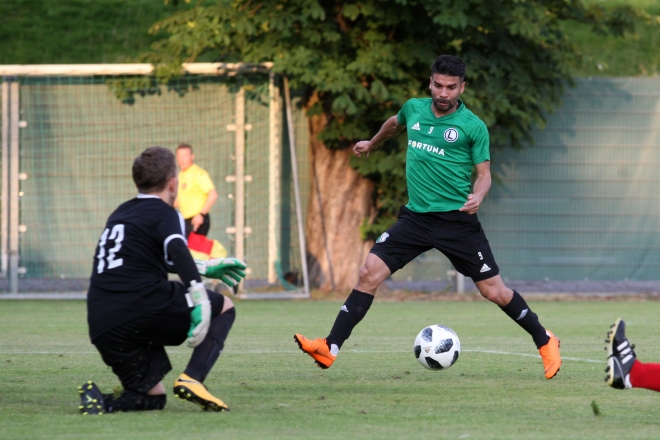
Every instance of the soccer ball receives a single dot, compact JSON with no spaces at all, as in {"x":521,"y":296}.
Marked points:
{"x":437,"y":347}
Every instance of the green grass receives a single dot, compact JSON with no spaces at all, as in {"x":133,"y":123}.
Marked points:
{"x":76,"y":31}
{"x":634,"y":55}
{"x":375,"y":390}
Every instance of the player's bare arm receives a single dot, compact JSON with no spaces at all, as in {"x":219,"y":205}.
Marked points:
{"x":480,"y":188}
{"x":390,"y":128}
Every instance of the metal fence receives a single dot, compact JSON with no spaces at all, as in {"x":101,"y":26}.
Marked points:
{"x":580,"y":204}
{"x":69,"y":141}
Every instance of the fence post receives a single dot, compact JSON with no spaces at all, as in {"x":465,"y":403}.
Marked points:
{"x":239,"y":215}
{"x":13,"y":185}
{"x":274,"y":176}
{"x":4,"y":196}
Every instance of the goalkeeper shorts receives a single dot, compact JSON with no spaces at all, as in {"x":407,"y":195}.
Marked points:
{"x":135,"y":350}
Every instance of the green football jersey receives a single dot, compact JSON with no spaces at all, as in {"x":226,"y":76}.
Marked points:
{"x":441,"y":154}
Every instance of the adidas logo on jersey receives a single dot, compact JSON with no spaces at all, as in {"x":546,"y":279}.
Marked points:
{"x":484,"y":268}
{"x":415,"y":126}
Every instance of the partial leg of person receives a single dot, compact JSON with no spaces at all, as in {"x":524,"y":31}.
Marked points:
{"x":325,"y":350}
{"x":140,"y":366}
{"x":190,"y":384}
{"x":393,"y":250}
{"x":461,"y":238}
{"x":516,"y":308}
{"x":624,"y":370}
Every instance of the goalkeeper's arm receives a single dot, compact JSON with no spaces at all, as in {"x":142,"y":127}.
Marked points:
{"x":178,"y":256}
{"x":181,"y":262}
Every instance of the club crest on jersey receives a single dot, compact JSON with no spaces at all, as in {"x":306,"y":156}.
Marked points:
{"x":382,"y":237}
{"x":451,"y":135}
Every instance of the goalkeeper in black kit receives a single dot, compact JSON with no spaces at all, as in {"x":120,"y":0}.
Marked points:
{"x":133,"y":310}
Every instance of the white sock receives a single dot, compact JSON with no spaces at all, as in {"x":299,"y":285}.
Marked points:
{"x":334,"y":349}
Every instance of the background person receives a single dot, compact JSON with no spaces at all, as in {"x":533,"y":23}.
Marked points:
{"x":445,"y":142}
{"x":197,"y":193}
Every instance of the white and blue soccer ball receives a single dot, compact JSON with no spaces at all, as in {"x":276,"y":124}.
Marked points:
{"x":437,"y":347}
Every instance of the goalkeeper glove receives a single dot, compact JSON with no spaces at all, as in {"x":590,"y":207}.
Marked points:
{"x":200,"y":316}
{"x":228,"y":270}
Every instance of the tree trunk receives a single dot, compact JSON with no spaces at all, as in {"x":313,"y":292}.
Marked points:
{"x":340,"y":200}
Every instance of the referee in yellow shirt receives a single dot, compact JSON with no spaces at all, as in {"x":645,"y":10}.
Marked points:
{"x":197,"y":193}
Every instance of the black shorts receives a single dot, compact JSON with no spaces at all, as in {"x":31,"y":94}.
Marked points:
{"x":456,"y":234}
{"x":203,"y":228}
{"x":135,"y":350}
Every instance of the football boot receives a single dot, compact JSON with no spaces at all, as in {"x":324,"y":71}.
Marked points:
{"x":317,"y":349}
{"x":550,"y":355}
{"x":91,"y":399}
{"x":620,"y":357}
{"x":187,"y":388}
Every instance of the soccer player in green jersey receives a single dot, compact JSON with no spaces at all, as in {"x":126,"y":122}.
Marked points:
{"x":445,"y":142}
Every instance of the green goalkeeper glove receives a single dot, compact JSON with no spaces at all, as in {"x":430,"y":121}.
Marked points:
{"x":228,"y":270}
{"x":200,"y":317}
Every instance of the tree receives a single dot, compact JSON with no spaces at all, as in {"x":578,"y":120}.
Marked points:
{"x":357,"y":62}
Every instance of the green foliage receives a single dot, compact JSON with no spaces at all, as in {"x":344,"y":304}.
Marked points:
{"x":364,"y":59}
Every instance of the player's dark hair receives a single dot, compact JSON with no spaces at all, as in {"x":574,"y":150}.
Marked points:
{"x":153,"y":169}
{"x":449,"y":65}
{"x":182,"y":146}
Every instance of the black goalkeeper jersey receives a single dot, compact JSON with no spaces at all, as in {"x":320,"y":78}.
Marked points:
{"x":129,"y":276}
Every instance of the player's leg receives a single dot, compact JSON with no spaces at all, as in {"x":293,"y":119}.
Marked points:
{"x":516,"y":308}
{"x":189,"y":385}
{"x":393,"y":250}
{"x":139,"y":365}
{"x":372,"y":274}
{"x":355,"y":308}
{"x":462,"y":239}
{"x":624,"y":370}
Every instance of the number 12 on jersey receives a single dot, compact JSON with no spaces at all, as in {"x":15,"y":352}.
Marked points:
{"x":117,"y":235}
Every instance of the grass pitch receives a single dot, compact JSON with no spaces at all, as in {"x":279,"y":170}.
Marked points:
{"x":375,"y":390}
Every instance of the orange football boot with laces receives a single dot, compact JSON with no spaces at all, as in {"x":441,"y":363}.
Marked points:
{"x":317,"y":348}
{"x":550,"y":355}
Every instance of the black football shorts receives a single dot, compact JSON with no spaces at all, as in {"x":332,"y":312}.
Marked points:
{"x":136,"y":350}
{"x":456,"y":234}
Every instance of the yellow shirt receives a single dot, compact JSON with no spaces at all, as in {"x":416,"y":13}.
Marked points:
{"x":194,"y":187}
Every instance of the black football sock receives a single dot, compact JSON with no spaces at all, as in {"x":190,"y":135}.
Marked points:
{"x":519,"y":311}
{"x":205,"y":354}
{"x":351,"y":313}
{"x":130,"y":400}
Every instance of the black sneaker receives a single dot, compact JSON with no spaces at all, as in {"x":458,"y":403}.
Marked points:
{"x":620,"y":357}
{"x":91,"y":399}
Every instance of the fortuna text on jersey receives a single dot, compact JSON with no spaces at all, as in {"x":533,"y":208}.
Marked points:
{"x":427,"y":147}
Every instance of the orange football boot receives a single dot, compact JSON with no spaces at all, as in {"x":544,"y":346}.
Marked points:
{"x":187,"y":388}
{"x":550,"y":355}
{"x":317,"y":348}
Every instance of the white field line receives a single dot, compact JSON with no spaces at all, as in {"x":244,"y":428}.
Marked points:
{"x":251,"y":352}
